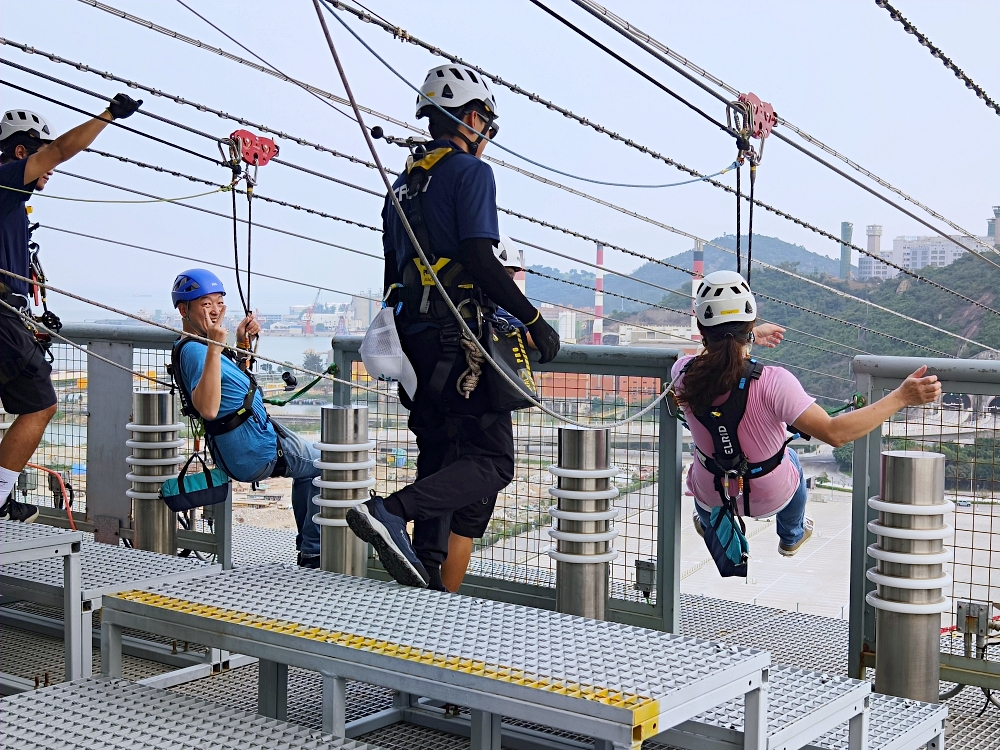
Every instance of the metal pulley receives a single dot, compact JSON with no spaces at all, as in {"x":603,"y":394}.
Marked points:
{"x":750,"y":118}
{"x":255,"y":150}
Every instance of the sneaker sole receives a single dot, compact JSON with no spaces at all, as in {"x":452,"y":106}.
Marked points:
{"x":31,"y":518}
{"x":371,"y":530}
{"x":790,"y":552}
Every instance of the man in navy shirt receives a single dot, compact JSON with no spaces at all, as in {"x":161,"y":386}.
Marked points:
{"x":28,"y":154}
{"x":466,"y":450}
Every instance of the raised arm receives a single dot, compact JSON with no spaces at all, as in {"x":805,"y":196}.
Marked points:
{"x":914,"y":391}
{"x":72,"y":142}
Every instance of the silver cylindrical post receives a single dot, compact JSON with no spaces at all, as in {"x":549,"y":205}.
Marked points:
{"x":154,"y":460}
{"x":908,"y":573}
{"x":344,"y":483}
{"x":581,"y":522}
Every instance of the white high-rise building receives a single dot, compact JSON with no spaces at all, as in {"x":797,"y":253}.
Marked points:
{"x":918,"y":252}
{"x":868,"y":267}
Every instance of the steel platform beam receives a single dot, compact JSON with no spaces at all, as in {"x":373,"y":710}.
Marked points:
{"x":614,"y":682}
{"x":35,"y":546}
{"x":104,"y":569}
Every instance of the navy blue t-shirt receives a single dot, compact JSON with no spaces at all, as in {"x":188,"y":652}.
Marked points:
{"x":14,"y":225}
{"x":460,"y":203}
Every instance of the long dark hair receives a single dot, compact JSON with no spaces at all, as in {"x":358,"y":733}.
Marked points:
{"x":717,"y":369}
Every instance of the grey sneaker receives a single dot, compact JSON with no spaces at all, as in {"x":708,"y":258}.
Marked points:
{"x":12,"y":510}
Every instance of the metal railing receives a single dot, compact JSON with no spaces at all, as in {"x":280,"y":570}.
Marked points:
{"x":86,"y":438}
{"x":965,"y":427}
{"x":601,"y":383}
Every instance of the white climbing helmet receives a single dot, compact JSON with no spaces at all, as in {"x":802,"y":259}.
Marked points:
{"x":25,"y":121}
{"x":724,"y":297}
{"x":509,"y":253}
{"x":454,"y":86}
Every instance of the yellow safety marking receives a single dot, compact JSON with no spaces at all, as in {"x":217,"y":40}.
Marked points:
{"x":645,"y":710}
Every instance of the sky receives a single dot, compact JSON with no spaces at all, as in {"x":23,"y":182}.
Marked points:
{"x":841,"y":70}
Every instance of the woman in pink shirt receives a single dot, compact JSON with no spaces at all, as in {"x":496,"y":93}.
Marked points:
{"x":774,"y":398}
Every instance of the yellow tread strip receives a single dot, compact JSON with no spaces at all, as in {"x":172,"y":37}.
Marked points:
{"x":644,"y":709}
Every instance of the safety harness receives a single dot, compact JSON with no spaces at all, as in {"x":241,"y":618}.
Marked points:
{"x":221,"y":425}
{"x":419,"y":299}
{"x":728,"y":462}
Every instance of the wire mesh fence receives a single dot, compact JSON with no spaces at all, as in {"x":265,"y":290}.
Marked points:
{"x":63,"y":447}
{"x":965,"y":427}
{"x":515,"y":544}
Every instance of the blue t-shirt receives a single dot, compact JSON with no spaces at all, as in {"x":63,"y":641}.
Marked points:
{"x":245,"y":451}
{"x":459,"y":203}
{"x":14,"y":225}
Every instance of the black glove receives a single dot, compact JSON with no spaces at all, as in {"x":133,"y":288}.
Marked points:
{"x":123,"y":106}
{"x":545,"y":338}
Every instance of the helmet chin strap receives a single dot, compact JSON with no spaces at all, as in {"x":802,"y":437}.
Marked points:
{"x":474,"y":145}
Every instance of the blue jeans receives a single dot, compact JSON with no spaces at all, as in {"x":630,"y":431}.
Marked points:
{"x":790,"y":520}
{"x":299,"y":455}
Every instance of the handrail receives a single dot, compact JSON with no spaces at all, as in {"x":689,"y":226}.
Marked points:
{"x":958,"y":370}
{"x":81,"y":333}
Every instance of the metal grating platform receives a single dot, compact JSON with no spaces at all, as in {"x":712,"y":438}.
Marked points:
{"x":893,"y":720}
{"x":27,"y":654}
{"x":539,"y":643}
{"x":796,"y":699}
{"x":104,"y":569}
{"x":97,"y":713}
{"x":15,"y":536}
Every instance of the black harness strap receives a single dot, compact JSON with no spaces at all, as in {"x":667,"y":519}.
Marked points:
{"x":728,"y":460}
{"x":221,"y":425}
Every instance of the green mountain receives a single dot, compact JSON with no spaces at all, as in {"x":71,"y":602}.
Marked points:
{"x":817,"y":349}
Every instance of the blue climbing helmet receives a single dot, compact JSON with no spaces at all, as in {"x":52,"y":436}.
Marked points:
{"x":195,"y":283}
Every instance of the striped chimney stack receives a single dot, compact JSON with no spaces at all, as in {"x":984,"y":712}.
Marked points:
{"x":697,"y":273}
{"x":599,"y":297}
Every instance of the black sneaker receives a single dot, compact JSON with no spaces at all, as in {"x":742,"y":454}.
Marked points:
{"x":308,"y":561}
{"x":387,"y":534}
{"x":12,"y":510}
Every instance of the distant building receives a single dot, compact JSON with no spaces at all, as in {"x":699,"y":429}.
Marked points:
{"x":914,"y":253}
{"x":868,"y":266}
{"x":668,"y":337}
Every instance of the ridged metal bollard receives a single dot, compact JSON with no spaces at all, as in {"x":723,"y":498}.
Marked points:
{"x":344,"y":483}
{"x":581,"y":522}
{"x":154,"y":460}
{"x":908,"y":573}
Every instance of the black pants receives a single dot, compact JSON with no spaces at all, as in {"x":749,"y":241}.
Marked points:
{"x":466,"y":455}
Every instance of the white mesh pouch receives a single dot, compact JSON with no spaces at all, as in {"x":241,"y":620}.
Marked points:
{"x":383,"y":354}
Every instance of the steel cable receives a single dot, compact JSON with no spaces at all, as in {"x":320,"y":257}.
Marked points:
{"x":536,"y":177}
{"x":668,"y":57}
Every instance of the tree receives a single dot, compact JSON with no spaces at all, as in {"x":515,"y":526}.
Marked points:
{"x":844,"y":456}
{"x":312,"y":360}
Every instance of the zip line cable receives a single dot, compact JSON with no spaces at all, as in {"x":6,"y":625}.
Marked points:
{"x":220,"y":189}
{"x":111,"y":122}
{"x":224,"y":216}
{"x":181,"y":332}
{"x":668,"y":57}
{"x":442,"y":109}
{"x":306,"y":284}
{"x":463,"y":326}
{"x":515,"y":168}
{"x":608,"y":204}
{"x":407,"y":37}
{"x":256,"y":195}
{"x":794,"y":145}
{"x":31,"y":321}
{"x":937,"y":54}
{"x":641,"y":281}
{"x":235,"y":58}
{"x":499,"y":145}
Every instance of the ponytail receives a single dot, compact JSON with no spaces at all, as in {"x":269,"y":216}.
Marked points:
{"x":718,"y":369}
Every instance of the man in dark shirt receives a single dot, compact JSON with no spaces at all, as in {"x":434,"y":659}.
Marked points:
{"x":466,"y":449}
{"x":28,"y":154}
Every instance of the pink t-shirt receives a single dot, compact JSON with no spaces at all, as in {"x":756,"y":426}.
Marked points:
{"x":776,"y":399}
